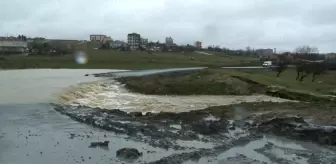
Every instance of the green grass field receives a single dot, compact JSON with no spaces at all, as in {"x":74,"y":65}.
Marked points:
{"x":109,"y":59}
{"x":324,"y":84}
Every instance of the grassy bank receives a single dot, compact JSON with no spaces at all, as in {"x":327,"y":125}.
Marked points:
{"x":323,"y":85}
{"x":234,"y":82}
{"x":321,"y":113}
{"x":201,"y":82}
{"x":110,"y":59}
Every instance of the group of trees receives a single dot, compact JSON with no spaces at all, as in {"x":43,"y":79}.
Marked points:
{"x":22,"y":37}
{"x":162,"y":46}
{"x":309,"y":64}
{"x":248,"y":51}
{"x":301,"y":52}
{"x":307,"y":53}
{"x":39,"y":46}
{"x":305,"y":49}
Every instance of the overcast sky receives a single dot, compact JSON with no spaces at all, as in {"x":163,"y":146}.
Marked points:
{"x":281,"y":24}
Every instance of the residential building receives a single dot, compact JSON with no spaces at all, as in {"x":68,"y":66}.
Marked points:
{"x":13,"y":45}
{"x":198,"y":45}
{"x":97,"y":37}
{"x":118,"y":44}
{"x":133,"y":40}
{"x":107,"y":39}
{"x":330,"y":56}
{"x":143,"y":41}
{"x":265,"y":52}
{"x":169,"y":42}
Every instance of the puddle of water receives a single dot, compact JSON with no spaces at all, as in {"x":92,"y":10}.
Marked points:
{"x":256,"y":157}
{"x":195,"y":144}
{"x":179,"y":127}
{"x":207,"y":160}
{"x":248,"y":151}
{"x":289,"y":157}
{"x":285,"y":143}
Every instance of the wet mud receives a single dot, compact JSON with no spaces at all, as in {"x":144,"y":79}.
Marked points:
{"x":267,"y":132}
{"x":217,"y":136}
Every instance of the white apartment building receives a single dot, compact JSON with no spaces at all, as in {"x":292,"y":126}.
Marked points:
{"x":169,"y":42}
{"x":100,"y":38}
{"x":265,"y":52}
{"x":143,"y":41}
{"x":13,"y":44}
{"x":117,"y":44}
{"x":134,"y":41}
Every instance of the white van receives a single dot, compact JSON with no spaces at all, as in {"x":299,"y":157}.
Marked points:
{"x":267,"y":64}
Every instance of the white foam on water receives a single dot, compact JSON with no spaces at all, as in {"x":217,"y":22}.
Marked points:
{"x":113,"y":95}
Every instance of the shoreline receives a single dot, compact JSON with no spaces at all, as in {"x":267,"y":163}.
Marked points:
{"x":111,"y":94}
{"x":217,"y":129}
{"x":209,"y":126}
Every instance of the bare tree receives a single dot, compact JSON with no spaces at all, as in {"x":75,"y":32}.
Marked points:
{"x":307,"y":67}
{"x":248,"y":49}
{"x":306,"y":49}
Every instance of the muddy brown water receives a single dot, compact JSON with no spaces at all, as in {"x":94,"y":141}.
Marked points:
{"x":32,"y":131}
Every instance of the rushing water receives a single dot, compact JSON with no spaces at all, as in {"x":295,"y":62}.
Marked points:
{"x":32,"y":132}
{"x":110,"y":94}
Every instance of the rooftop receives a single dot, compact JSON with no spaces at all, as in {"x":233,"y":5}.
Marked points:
{"x":97,"y":35}
{"x":134,"y":34}
{"x":11,"y":38}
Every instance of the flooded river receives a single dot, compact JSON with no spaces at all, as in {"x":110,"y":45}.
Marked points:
{"x":33,"y":132}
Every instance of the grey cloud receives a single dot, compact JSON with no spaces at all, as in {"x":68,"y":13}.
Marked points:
{"x":235,"y":24}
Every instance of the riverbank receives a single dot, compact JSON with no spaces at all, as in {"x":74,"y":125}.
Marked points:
{"x":209,"y":134}
{"x":111,"y":59}
{"x":161,"y":95}
{"x":30,"y":126}
{"x":214,"y":132}
{"x":230,"y":82}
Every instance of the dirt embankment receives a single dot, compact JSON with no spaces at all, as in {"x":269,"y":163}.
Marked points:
{"x":212,"y":82}
{"x":201,"y":82}
{"x":213,"y":121}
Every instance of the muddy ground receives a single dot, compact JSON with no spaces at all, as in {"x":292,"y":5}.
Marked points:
{"x":206,"y":135}
{"x":258,"y":133}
